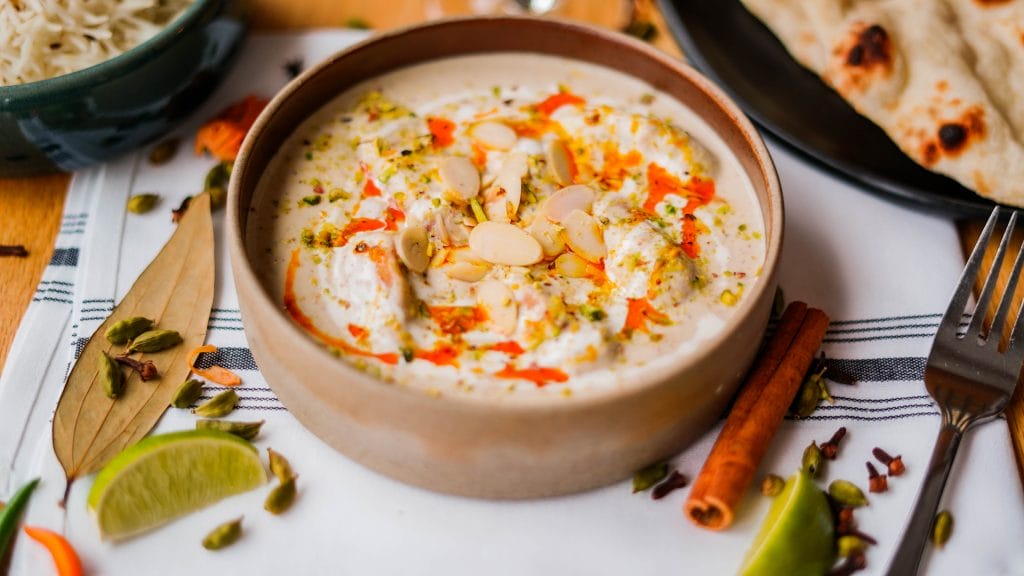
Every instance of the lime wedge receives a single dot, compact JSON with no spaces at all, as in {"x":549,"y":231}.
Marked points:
{"x":797,"y":536}
{"x":168,"y":475}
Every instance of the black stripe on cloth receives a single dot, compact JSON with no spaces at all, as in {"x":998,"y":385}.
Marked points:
{"x":871,"y":329}
{"x":43,"y":289}
{"x":51,"y":299}
{"x":79,"y":346}
{"x":58,"y":282}
{"x":232,"y":358}
{"x":878,"y":369}
{"x":64,"y":257}
{"x":880,"y":400}
{"x":820,"y":417}
{"x":897,"y":408}
{"x":97,"y":300}
{"x":886,"y":319}
{"x":874,"y":338}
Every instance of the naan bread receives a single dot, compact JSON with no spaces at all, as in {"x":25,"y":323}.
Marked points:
{"x":944,"y":78}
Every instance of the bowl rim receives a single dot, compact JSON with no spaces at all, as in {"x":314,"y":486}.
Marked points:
{"x":305,"y":346}
{"x":20,"y":96}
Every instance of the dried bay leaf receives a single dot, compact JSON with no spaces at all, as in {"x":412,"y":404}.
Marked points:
{"x":176,"y":290}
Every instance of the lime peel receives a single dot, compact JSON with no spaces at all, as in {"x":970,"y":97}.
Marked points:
{"x":797,"y":536}
{"x":166,"y":476}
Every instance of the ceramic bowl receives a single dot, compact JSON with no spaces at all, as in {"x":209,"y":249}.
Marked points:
{"x":98,"y":113}
{"x":513,"y":449}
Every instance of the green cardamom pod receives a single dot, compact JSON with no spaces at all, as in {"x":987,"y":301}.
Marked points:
{"x":224,"y":535}
{"x":649,"y":476}
{"x":823,"y":392}
{"x":847,"y":494}
{"x":220,"y":405}
{"x":218,"y":176}
{"x":281,"y":497}
{"x":142,"y":203}
{"x":187,"y":393}
{"x":244,"y":430}
{"x":279,"y":465}
{"x":163,"y":152}
{"x":218,"y":197}
{"x":850,"y":544}
{"x":111,"y":377}
{"x":811,"y":462}
{"x":807,"y":399}
{"x":124,"y":330}
{"x":943,"y":528}
{"x":772,"y":485}
{"x":155,"y":341}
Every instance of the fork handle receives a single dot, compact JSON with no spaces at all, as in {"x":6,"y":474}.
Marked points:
{"x":911,"y":548}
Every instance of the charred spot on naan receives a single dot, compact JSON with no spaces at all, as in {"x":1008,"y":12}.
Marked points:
{"x":953,"y":136}
{"x":863,"y":58}
{"x":871,"y":48}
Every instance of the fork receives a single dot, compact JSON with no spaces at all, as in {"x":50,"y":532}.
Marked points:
{"x":968,"y":377}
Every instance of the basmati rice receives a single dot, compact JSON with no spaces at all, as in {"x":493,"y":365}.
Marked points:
{"x":41,"y":39}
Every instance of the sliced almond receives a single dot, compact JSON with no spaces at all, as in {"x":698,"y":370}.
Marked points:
{"x":494,"y":135}
{"x":584,"y":235}
{"x":510,"y":178}
{"x":466,"y":254}
{"x":440,"y":229}
{"x":549,"y":235}
{"x":500,"y":243}
{"x":561,"y":163}
{"x":498,"y":209}
{"x":571,"y":265}
{"x":466,"y":271}
{"x":411,"y":245}
{"x":461,"y":177}
{"x":562,"y":202}
{"x":498,"y":300}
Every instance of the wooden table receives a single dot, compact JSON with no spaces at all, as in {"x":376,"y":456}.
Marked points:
{"x":30,"y":209}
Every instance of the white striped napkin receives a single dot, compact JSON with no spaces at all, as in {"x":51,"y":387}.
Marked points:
{"x":884,"y":274}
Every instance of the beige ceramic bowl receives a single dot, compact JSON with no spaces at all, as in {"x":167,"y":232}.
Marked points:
{"x":519,"y":448}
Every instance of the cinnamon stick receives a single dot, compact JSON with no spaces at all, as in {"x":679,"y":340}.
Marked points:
{"x":755,"y":417}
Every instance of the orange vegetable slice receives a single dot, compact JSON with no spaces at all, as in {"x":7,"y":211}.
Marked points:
{"x":215,"y":374}
{"x":64,"y":555}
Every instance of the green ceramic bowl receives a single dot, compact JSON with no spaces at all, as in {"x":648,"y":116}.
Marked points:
{"x":96,"y":114}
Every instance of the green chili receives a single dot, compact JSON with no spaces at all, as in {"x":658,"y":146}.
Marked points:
{"x":10,"y":515}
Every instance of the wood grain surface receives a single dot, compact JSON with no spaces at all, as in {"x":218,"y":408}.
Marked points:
{"x":30,"y":209}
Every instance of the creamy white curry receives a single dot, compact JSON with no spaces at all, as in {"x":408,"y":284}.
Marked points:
{"x":508,"y":224}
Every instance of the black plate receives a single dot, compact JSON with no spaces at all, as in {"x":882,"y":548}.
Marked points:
{"x":733,"y":48}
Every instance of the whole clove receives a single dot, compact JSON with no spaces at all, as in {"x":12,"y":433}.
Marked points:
{"x":16,"y":250}
{"x":178,"y":212}
{"x":893,"y":463}
{"x":145,"y":369}
{"x":877,"y":483}
{"x":674,"y":482}
{"x":831,"y":448}
{"x":845,"y":523}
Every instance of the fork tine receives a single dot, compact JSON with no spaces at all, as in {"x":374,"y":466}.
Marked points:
{"x":951,"y":319}
{"x":990,"y":283}
{"x":999,"y":321}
